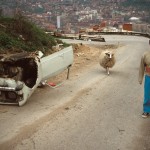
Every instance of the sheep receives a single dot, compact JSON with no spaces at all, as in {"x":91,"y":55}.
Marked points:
{"x":107,"y":60}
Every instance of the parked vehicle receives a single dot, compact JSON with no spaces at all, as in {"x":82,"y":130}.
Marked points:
{"x":88,"y":37}
{"x":21,"y":74}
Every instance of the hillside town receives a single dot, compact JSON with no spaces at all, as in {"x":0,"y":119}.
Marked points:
{"x":72,"y":16}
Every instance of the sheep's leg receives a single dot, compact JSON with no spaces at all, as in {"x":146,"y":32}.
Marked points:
{"x":107,"y":69}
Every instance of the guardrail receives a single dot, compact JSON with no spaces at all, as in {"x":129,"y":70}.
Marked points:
{"x":122,"y":33}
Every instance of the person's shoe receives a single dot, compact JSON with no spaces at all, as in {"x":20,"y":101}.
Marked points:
{"x":145,"y":115}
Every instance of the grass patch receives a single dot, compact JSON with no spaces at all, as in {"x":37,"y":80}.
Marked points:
{"x":18,"y":34}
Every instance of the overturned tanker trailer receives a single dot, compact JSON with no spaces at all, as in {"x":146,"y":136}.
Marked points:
{"x":22,"y":73}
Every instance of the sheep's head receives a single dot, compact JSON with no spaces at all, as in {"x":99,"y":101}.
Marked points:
{"x":109,"y":54}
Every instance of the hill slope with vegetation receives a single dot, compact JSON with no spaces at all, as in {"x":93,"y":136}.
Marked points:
{"x":18,"y":34}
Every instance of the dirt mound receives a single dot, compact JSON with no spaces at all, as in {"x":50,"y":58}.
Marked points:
{"x":80,"y":48}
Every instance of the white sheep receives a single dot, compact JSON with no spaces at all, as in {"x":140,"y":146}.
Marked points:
{"x":107,"y":60}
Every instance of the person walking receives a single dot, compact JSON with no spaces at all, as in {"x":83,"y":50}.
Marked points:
{"x":144,"y":70}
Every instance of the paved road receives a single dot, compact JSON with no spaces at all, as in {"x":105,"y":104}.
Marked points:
{"x":91,"y":112}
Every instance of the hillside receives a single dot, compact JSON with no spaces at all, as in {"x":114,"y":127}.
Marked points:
{"x":18,"y":34}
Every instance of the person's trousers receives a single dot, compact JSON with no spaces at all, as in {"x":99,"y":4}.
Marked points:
{"x":146,"y":103}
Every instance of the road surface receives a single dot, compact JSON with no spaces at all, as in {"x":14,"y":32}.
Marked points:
{"x":91,"y":111}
